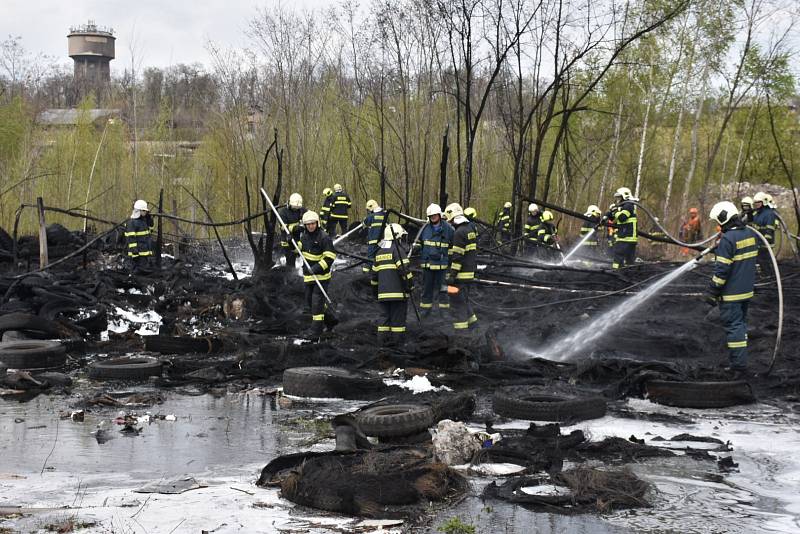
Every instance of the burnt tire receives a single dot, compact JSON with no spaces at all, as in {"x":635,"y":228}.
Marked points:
{"x":126,"y":368}
{"x":30,"y":324}
{"x":395,"y":420}
{"x":327,"y":382}
{"x":700,"y":394}
{"x":33,"y":354}
{"x":182,"y":345}
{"x":532,"y":406}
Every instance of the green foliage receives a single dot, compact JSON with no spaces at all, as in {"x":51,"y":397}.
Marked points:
{"x":455,"y":525}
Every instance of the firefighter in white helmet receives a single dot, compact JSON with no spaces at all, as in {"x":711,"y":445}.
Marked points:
{"x":317,"y":249}
{"x":436,"y":238}
{"x":504,"y":223}
{"x":589,"y":226}
{"x":339,"y":210}
{"x":291,"y":214}
{"x":532,"y":226}
{"x":765,"y":220}
{"x":463,"y":264}
{"x":391,"y":274}
{"x":374,"y":223}
{"x":138,"y":238}
{"x":623,"y":217}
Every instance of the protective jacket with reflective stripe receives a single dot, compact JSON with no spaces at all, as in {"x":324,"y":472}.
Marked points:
{"x":735,"y":269}
{"x":765,"y":220}
{"x":137,"y":238}
{"x":340,"y":204}
{"x":292,"y":218}
{"x":325,"y":210}
{"x":317,"y":249}
{"x":625,"y":222}
{"x":504,"y":221}
{"x":391,"y":272}
{"x":436,"y":240}
{"x":374,"y":225}
{"x":547,"y":233}
{"x":532,"y":226}
{"x":464,"y":252}
{"x":588,"y":227}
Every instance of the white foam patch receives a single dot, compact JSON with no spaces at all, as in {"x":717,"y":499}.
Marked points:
{"x":143,"y":323}
{"x":417,"y":384}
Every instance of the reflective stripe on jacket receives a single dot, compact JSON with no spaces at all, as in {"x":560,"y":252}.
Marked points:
{"x":137,"y":238}
{"x":391,"y":272}
{"x":765,"y":220}
{"x":464,"y":253}
{"x":292,"y":218}
{"x":532,"y":226}
{"x":317,"y":249}
{"x":436,"y":241}
{"x":589,"y":227}
{"x":735,"y":268}
{"x":547,"y":233}
{"x":504,"y":221}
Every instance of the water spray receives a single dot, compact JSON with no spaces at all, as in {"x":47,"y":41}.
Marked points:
{"x":583,"y":240}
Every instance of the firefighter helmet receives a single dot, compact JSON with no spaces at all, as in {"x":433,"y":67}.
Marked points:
{"x":371,"y":204}
{"x":746,"y":201}
{"x":507,"y":205}
{"x":327,"y":192}
{"x":453,"y":210}
{"x":723,"y":212}
{"x":592,"y":211}
{"x":393,"y":231}
{"x":140,"y":205}
{"x":470,"y":212}
{"x":547,"y":216}
{"x":433,"y":209}
{"x":761,"y":197}
{"x":533,"y":209}
{"x":310,"y":217}
{"x":624,"y":193}
{"x":295,"y":201}
{"x":337,"y":188}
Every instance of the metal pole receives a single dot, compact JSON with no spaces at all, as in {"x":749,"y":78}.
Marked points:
{"x":341,"y":237}
{"x":403,"y":274}
{"x":296,"y":246}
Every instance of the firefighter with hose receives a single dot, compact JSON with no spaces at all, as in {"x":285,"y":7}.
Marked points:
{"x":436,"y":238}
{"x":765,"y":220}
{"x":732,"y":285}
{"x":623,"y":217}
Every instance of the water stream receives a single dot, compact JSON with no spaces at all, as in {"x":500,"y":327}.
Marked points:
{"x":583,"y":338}
{"x":583,"y":240}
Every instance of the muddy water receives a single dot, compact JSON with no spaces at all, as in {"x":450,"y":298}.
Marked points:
{"x":223,"y":442}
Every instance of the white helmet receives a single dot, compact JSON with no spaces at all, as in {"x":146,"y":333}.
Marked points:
{"x":769,"y":201}
{"x":310,"y":217}
{"x":507,"y":205}
{"x":337,"y":188}
{"x":761,"y":197}
{"x":393,"y":231}
{"x":295,"y":201}
{"x":723,"y":212}
{"x":592,"y":210}
{"x":533,"y":209}
{"x":140,"y":205}
{"x":371,"y":204}
{"x":453,"y":210}
{"x":623,"y":192}
{"x":746,"y":201}
{"x":433,"y":209}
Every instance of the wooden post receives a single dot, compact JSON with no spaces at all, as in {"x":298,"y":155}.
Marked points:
{"x":43,"y":259}
{"x":443,"y":169}
{"x":176,"y":228}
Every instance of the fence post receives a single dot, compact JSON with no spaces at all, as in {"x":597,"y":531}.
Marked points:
{"x":43,"y":259}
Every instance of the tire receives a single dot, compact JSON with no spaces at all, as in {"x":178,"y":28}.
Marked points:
{"x":327,"y":382}
{"x":395,"y":420}
{"x":182,"y":345}
{"x":416,"y":439}
{"x":25,"y":322}
{"x":126,"y":368}
{"x":532,"y":406}
{"x":700,"y":394}
{"x":33,"y":354}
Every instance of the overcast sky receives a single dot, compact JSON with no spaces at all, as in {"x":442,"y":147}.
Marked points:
{"x":167,"y":31}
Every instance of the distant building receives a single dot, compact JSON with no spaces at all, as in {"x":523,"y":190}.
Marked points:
{"x":91,"y":48}
{"x":71,"y":117}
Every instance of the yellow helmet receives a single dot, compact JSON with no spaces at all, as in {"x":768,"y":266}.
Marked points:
{"x":310,"y":217}
{"x":470,"y":213}
{"x":547,"y":215}
{"x":327,"y":192}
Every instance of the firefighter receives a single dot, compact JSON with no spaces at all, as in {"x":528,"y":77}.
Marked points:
{"x":291,"y":215}
{"x":734,"y":277}
{"x":392,"y":274}
{"x":504,"y":223}
{"x":325,"y":211}
{"x":471,"y":214}
{"x":691,"y":231}
{"x":374,"y":223}
{"x":765,"y":220}
{"x":589,"y":226}
{"x":463,"y":263}
{"x":548,"y":235}
{"x":436,"y":238}
{"x":611,"y":232}
{"x":532,"y":226}
{"x":747,"y":210}
{"x":623,"y":216}
{"x":138,"y":240}
{"x":339,"y":206}
{"x":317,"y":249}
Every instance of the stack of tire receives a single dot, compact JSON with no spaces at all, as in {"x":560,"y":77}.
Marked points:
{"x":532,"y":404}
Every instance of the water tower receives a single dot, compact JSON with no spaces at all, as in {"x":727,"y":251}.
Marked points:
{"x":91,"y":47}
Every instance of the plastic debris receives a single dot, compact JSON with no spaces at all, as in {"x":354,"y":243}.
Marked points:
{"x":453,"y":443}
